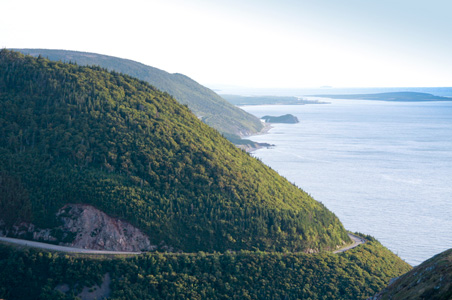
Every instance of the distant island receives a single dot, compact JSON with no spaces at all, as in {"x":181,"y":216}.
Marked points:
{"x":392,"y":96}
{"x":290,"y":119}
{"x":267,"y":100}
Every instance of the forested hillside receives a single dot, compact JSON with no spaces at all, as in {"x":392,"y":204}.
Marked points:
{"x":431,"y":280}
{"x":356,"y":274}
{"x":206,"y":104}
{"x":76,"y":134}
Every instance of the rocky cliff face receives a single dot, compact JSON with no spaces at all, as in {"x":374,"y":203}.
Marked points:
{"x":93,"y":229}
{"x":84,"y":226}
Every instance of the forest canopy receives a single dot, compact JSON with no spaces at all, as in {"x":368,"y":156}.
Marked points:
{"x":211,"y":108}
{"x":77,"y":134}
{"x":356,"y":274}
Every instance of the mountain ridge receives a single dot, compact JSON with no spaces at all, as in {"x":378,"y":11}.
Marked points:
{"x":205,"y":103}
{"x":86,"y":136}
{"x":77,"y":134}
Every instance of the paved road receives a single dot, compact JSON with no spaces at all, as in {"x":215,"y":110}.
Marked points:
{"x":356,"y":242}
{"x":60,"y":248}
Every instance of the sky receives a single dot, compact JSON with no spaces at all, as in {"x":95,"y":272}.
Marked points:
{"x":251,"y":43}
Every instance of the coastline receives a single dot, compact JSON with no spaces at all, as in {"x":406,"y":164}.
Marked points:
{"x":267,"y":127}
{"x":256,"y":146}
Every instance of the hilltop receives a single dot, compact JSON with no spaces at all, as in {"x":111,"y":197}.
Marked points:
{"x":73,"y":134}
{"x":73,"y":137}
{"x":203,"y":102}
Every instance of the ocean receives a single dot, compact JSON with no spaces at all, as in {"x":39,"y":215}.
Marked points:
{"x":384,"y":168}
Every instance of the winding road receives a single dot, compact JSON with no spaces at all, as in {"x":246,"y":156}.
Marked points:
{"x":356,"y":242}
{"x":61,"y":248}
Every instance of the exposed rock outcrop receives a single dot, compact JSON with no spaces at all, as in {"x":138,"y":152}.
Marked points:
{"x":84,"y":226}
{"x":94,"y":229}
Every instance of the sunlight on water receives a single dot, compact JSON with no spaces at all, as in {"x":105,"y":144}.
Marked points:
{"x":383,"y":168}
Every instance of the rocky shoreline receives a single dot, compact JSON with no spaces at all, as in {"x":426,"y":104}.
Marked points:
{"x":255,"y":145}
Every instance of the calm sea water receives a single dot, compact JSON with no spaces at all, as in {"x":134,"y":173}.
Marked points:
{"x":383,"y":168}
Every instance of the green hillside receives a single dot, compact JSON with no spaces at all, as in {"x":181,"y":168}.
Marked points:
{"x":356,"y":274}
{"x":431,"y":280}
{"x":206,"y":104}
{"x":76,"y":134}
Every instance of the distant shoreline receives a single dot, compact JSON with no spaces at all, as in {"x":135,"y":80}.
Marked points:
{"x":263,"y":131}
{"x":391,"y":97}
{"x":266,"y":129}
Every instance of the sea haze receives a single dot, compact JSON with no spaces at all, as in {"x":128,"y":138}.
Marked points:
{"x":383,"y":168}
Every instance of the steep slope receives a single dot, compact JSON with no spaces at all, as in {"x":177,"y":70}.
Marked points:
{"x":73,"y":134}
{"x":231,"y":275}
{"x":431,"y":280}
{"x":206,"y":104}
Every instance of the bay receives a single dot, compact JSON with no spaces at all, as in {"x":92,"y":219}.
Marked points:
{"x":384,"y":168}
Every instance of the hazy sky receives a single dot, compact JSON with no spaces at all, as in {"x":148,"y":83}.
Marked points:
{"x":252,"y":43}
